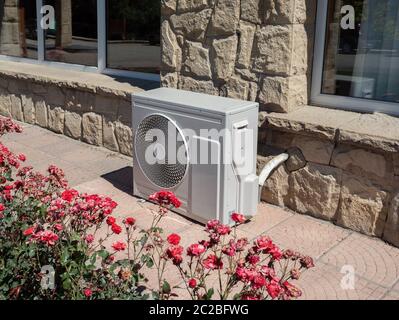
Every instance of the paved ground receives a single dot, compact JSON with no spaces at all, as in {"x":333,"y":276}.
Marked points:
{"x":335,"y":250}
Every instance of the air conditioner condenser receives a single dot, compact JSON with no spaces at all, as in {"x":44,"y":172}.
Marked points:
{"x":201,"y":147}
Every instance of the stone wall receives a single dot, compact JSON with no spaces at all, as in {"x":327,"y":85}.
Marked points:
{"x":92,"y":114}
{"x":343,"y":175}
{"x":257,"y":50}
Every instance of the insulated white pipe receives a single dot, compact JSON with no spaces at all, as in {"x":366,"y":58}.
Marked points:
{"x":268,"y":169}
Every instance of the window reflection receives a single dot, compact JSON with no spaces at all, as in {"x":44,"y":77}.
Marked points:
{"x":18,"y":36}
{"x":73,"y":37}
{"x":363,"y":62}
{"x":133,"y":35}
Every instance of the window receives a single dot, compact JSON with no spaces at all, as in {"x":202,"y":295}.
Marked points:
{"x":73,"y":36}
{"x":133,"y":35}
{"x":357,"y":55}
{"x":118,"y":37}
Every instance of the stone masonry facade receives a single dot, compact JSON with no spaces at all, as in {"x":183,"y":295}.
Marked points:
{"x":92,"y":114}
{"x":257,"y":50}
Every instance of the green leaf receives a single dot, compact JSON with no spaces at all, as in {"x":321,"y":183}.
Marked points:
{"x":67,"y":284}
{"x":166,"y":287}
{"x":210,"y":293}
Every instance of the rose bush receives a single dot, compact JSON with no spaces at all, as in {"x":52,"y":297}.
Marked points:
{"x":57,"y":243}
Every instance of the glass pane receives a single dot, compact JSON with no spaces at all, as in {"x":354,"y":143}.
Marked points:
{"x":362,"y":59}
{"x":133,"y":35}
{"x":73,"y":37}
{"x":18,"y":35}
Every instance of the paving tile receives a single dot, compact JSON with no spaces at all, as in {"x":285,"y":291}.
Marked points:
{"x":324,"y":283}
{"x":98,"y":186}
{"x":307,"y":235}
{"x":371,"y":258}
{"x":267,"y":217}
{"x":392,"y":295}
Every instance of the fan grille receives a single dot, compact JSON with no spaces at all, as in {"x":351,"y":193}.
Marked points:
{"x":168,"y":171}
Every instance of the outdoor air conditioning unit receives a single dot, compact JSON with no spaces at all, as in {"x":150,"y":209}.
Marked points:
{"x":201,"y":147}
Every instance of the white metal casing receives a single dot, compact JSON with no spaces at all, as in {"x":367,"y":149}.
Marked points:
{"x":208,"y":191}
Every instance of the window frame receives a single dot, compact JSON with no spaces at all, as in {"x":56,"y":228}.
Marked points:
{"x":334,"y":101}
{"x":101,"y":51}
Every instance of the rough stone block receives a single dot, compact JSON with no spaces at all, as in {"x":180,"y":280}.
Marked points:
{"x":251,"y":11}
{"x":315,"y":190}
{"x":109,"y":138}
{"x":168,"y":7}
{"x":5,"y":105}
{"x":272,"y":51}
{"x":16,"y":108}
{"x":314,"y":149}
{"x":28,"y":108}
{"x":280,"y":94}
{"x":197,"y":60}
{"x":247,"y":34}
{"x":301,"y":49}
{"x":189,"y":84}
{"x":305,"y":11}
{"x":360,"y":161}
{"x":237,"y":88}
{"x":124,"y":137}
{"x":105,"y":105}
{"x":171,"y":54}
{"x":192,"y":25}
{"x":41,"y":113}
{"x":279,"y":11}
{"x":92,"y":129}
{"x":276,"y":188}
{"x":191,"y":5}
{"x":73,"y":125}
{"x":169,"y":80}
{"x":225,"y":18}
{"x":223,"y":57}
{"x":362,"y":206}
{"x":56,"y":117}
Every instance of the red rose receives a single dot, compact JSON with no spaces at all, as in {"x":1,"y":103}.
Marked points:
{"x":212,"y":262}
{"x":110,"y":221}
{"x":276,"y":253}
{"x":258,"y":282}
{"x":130,"y":221}
{"x":174,"y":239}
{"x":29,"y":231}
{"x":223,"y":230}
{"x":58,"y":227}
{"x":2,"y":207}
{"x":195,"y":250}
{"x":22,"y":157}
{"x":212,"y":224}
{"x":238,"y":218}
{"x":273,"y":289}
{"x":119,"y":246}
{"x":87,"y":292}
{"x":263,"y":243}
{"x":89,"y":238}
{"x":291,"y":290}
{"x":175,"y":253}
{"x":116,"y":228}
{"x":69,"y":195}
{"x":192,"y":283}
{"x":307,"y":262}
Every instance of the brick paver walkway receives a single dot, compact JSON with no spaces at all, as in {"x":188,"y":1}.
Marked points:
{"x":335,"y":250}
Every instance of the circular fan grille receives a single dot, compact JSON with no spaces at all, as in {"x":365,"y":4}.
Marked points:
{"x":153,"y":154}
